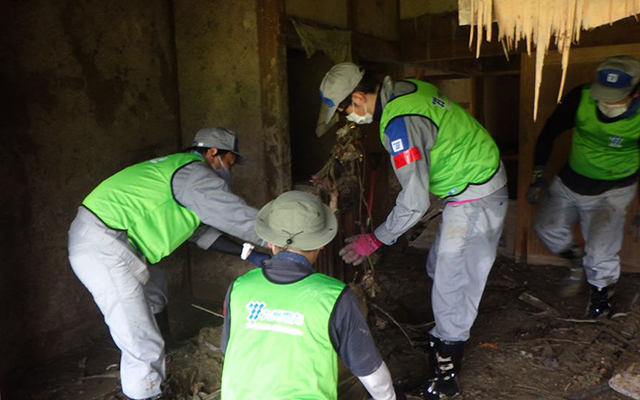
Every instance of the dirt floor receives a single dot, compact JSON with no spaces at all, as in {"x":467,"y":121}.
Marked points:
{"x":517,"y":351}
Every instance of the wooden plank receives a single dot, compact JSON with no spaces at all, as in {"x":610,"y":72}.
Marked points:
{"x":526,"y":143}
{"x":273,"y":95}
{"x":365,"y":47}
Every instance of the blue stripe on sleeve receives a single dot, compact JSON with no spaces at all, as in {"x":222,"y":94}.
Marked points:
{"x":396,"y":132}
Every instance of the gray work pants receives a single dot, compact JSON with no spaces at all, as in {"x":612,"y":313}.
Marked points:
{"x":103,"y":261}
{"x":460,"y":260}
{"x":601,"y":220}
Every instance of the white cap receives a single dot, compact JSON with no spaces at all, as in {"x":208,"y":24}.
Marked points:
{"x":337,"y":84}
{"x":615,"y":79}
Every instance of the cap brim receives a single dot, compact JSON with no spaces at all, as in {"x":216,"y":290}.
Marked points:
{"x":240,"y":159}
{"x":300,"y":242}
{"x":607,"y":94}
{"x":326,"y":113}
{"x":323,"y":125}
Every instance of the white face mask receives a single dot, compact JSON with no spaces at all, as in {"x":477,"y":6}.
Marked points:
{"x":223,"y":172}
{"x":360,"y":119}
{"x":612,"y":110}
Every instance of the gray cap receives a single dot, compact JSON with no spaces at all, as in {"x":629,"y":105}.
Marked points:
{"x":296,"y":220}
{"x":615,"y":78}
{"x":221,"y":139}
{"x":337,"y":84}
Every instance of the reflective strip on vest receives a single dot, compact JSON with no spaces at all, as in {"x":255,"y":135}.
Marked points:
{"x":139,"y":200}
{"x":464,"y":153}
{"x":604,"y":151}
{"x":279,"y":345}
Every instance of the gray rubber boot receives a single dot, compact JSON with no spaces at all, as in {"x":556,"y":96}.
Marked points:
{"x":576,"y":282}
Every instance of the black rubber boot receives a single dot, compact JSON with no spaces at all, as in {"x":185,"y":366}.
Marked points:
{"x":448,"y":363}
{"x":433,"y":359}
{"x":599,"y":305}
{"x":162,"y":319}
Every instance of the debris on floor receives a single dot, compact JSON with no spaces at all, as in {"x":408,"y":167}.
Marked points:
{"x":527,"y":343}
{"x":194,"y":371}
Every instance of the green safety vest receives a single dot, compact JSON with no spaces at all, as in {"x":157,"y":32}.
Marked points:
{"x":279,"y":345}
{"x":139,"y":200}
{"x":464,"y":152}
{"x":604,"y":151}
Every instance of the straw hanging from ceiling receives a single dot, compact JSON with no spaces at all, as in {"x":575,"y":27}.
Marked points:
{"x":537,"y":21}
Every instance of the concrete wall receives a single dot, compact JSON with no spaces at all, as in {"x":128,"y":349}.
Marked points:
{"x":377,"y":18}
{"x":87,"y":89}
{"x":328,"y":12}
{"x":218,"y":69}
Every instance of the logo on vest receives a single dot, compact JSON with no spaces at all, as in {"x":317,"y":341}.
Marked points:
{"x":616,"y":141}
{"x":157,"y":160}
{"x":263,"y":319}
{"x":438,"y":102}
{"x":613,"y":78}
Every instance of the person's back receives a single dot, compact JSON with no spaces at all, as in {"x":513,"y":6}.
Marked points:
{"x":286,"y":325}
{"x":140,"y":200}
{"x":292,"y":319}
{"x":461,"y":153}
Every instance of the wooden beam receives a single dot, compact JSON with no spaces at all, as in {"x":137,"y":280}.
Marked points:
{"x":273,"y":96}
{"x":438,"y":37}
{"x":365,"y":47}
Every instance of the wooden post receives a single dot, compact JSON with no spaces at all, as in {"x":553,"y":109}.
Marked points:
{"x":273,"y":94}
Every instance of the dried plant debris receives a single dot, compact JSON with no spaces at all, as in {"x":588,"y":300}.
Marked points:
{"x":537,"y":21}
{"x":195,"y":370}
{"x":340,"y":179}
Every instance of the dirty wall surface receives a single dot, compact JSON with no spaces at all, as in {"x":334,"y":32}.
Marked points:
{"x":218,"y":69}
{"x":87,"y":89}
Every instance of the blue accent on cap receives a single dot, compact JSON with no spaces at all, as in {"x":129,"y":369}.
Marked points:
{"x":615,"y":79}
{"x":327,"y":100}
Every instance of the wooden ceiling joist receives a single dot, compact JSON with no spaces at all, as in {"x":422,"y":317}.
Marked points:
{"x":365,"y":47}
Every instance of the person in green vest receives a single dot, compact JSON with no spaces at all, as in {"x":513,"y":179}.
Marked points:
{"x":598,"y":183}
{"x":141,"y":215}
{"x":436,"y":147}
{"x":285,"y":325}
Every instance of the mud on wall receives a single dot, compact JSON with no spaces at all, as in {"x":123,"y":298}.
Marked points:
{"x":219,"y":84}
{"x":87,"y":89}
{"x":220,"y":81}
{"x":377,"y":18}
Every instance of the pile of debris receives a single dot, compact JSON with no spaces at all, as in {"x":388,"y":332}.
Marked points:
{"x":194,"y":371}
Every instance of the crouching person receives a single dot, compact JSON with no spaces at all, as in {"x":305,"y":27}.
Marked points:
{"x":286,"y":325}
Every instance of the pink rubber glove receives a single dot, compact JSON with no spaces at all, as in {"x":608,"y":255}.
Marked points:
{"x":359,"y":248}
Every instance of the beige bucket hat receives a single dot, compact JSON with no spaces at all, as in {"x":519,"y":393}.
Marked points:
{"x":296,"y":220}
